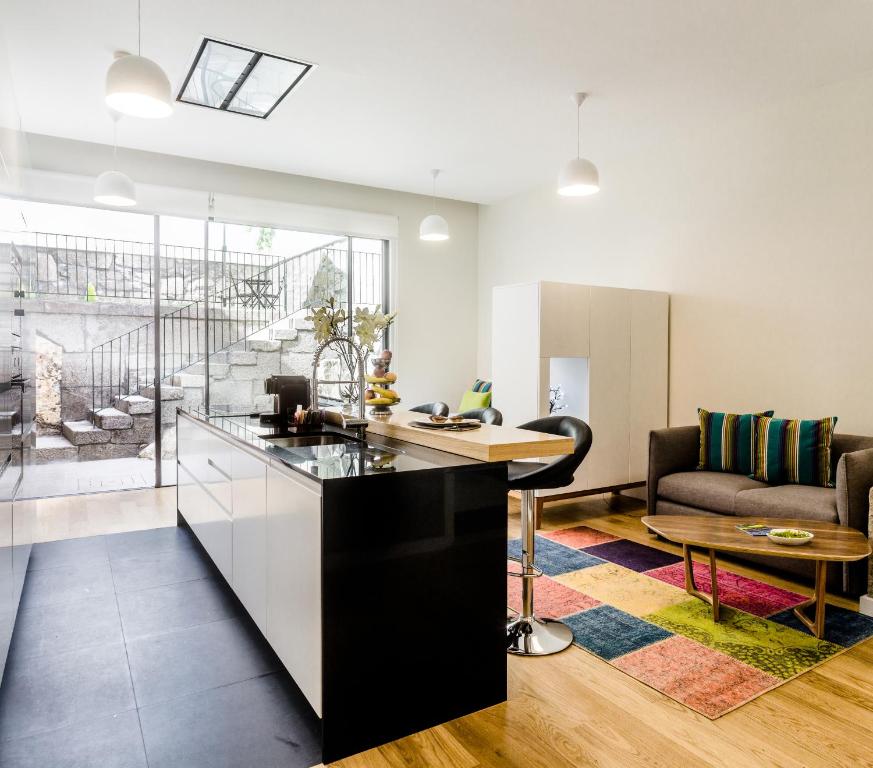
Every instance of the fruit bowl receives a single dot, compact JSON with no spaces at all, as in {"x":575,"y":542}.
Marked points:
{"x":790,"y":537}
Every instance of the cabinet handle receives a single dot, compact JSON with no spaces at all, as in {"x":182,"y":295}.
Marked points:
{"x":218,"y":469}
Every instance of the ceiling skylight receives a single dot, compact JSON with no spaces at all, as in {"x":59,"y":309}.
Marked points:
{"x":236,"y":79}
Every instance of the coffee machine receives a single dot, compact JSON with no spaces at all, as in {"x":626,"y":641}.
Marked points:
{"x":289,"y":393}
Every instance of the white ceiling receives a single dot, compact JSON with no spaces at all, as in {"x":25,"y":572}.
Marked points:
{"x":480,"y":89}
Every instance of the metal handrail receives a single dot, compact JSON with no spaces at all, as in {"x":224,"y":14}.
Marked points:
{"x":123,"y":364}
{"x":81,"y":265}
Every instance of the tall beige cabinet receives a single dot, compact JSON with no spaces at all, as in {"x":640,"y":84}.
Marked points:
{"x":607,"y":350}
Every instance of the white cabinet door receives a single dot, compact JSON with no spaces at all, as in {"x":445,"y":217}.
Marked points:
{"x":294,"y":579}
{"x":193,"y":447}
{"x":217,"y":477}
{"x":650,"y":329}
{"x":190,"y":499}
{"x":210,"y":523}
{"x":515,"y":351}
{"x":249,"y":489}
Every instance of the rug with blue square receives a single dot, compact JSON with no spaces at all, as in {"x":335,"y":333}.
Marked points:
{"x":626,"y":603}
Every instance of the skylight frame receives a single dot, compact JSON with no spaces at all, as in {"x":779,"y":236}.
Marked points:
{"x":308,"y":67}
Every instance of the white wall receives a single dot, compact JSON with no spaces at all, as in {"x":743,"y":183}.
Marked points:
{"x":762,"y":232}
{"x":434,"y":283}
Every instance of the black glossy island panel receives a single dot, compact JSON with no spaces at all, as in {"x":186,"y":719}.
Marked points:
{"x":400,"y":564}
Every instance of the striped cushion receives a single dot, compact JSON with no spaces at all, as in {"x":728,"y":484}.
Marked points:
{"x":794,"y":450}
{"x":727,"y":441}
{"x":481,"y":385}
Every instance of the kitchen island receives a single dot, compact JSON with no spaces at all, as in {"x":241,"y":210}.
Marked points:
{"x":375,"y":570}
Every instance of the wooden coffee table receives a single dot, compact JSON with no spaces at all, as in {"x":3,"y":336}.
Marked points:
{"x":832,"y":544}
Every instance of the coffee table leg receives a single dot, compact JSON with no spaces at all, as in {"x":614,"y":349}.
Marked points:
{"x":816,"y":625}
{"x":691,"y":587}
{"x":713,"y":580}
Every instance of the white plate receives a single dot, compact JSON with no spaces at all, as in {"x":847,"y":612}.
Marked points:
{"x":790,"y":542}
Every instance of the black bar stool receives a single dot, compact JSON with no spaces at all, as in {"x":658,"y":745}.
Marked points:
{"x":527,"y":635}
{"x":485,"y":415}
{"x":432,"y":409}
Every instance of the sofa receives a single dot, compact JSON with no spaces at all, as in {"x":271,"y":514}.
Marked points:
{"x":676,"y":487}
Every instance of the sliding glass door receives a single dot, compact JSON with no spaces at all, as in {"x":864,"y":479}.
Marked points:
{"x":135,"y":315}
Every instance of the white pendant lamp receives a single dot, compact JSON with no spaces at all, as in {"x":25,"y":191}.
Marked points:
{"x":137,"y":86}
{"x":578,"y":177}
{"x":114,"y":187}
{"x":434,"y":226}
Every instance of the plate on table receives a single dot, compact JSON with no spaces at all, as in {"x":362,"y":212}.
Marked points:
{"x":448,"y":426}
{"x":790,"y":537}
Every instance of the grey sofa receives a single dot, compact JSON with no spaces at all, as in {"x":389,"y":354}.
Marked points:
{"x":676,"y":487}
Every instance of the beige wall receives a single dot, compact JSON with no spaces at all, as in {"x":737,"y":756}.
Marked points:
{"x":762,"y":232}
{"x":435,"y":283}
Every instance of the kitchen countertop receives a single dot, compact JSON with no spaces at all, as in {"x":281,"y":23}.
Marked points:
{"x":379,"y":455}
{"x":487,"y":443}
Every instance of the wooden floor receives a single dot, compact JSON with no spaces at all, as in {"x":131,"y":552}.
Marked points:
{"x":572,"y":709}
{"x":94,"y":514}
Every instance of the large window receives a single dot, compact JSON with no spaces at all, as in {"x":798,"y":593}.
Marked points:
{"x":228,"y":302}
{"x":260,"y":302}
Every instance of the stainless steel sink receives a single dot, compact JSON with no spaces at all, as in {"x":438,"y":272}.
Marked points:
{"x":305,"y":441}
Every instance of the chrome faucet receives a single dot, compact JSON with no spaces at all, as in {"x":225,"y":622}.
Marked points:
{"x":359,"y":424}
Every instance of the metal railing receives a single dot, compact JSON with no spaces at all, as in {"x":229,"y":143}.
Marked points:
{"x":75,"y":265}
{"x":243,"y":304}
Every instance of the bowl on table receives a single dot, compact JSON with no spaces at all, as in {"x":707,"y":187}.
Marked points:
{"x":790,"y":537}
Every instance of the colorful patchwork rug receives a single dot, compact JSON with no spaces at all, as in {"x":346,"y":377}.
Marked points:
{"x":627,"y":604}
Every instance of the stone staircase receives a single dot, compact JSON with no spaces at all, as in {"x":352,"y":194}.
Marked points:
{"x":237,"y":374}
{"x":237,"y":383}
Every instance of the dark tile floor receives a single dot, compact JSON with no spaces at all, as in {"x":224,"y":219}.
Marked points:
{"x":129,"y":650}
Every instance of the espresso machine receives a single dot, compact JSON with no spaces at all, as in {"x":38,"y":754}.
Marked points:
{"x":289,"y":393}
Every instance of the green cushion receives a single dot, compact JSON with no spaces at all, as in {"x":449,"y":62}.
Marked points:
{"x":727,"y":441}
{"x":794,"y":450}
{"x":471,"y":400}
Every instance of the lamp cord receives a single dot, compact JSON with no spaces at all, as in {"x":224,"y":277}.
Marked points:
{"x":578,"y":132}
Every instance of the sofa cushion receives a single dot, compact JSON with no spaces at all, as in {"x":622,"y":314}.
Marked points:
{"x":794,"y":450}
{"x":801,"y":502}
{"x":727,"y":441}
{"x":713,"y":491}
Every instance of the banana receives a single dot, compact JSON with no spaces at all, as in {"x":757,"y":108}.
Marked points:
{"x":383,"y":392}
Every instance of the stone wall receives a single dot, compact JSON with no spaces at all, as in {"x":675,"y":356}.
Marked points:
{"x":59,"y":271}
{"x":48,"y":372}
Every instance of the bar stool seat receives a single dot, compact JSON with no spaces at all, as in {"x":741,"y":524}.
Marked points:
{"x":485,"y":415}
{"x":432,"y":409}
{"x":527,"y":634}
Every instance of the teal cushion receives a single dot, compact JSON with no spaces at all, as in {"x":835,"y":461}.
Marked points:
{"x":727,"y":441}
{"x":794,"y":450}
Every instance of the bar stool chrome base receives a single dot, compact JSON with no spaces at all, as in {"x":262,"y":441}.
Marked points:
{"x":537,"y":637}
{"x":526,"y":634}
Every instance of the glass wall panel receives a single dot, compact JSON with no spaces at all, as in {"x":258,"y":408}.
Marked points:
{"x":86,"y":277}
{"x":263,"y":282}
{"x":229,"y":315}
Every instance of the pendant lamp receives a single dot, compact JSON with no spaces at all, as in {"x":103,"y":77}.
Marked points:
{"x":137,"y":86}
{"x":579,"y":176}
{"x":114,"y":187}
{"x":434,"y":226}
